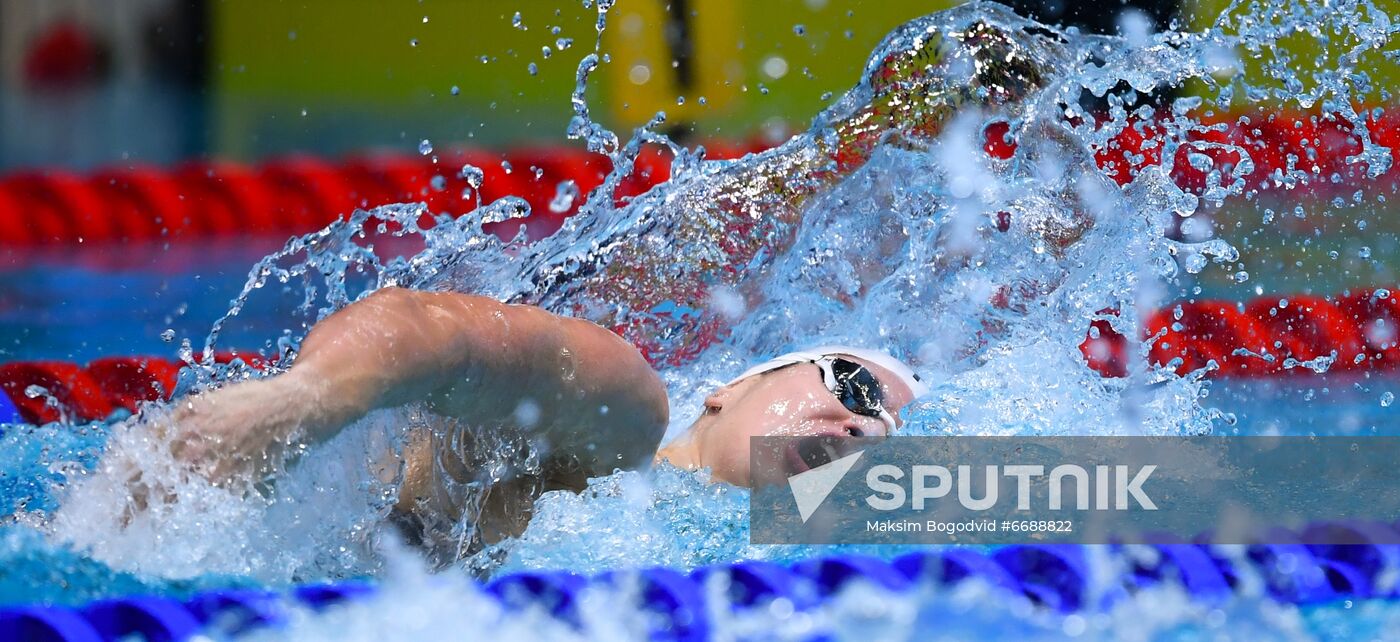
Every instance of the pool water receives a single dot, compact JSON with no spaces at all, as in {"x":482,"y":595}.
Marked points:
{"x":102,"y":301}
{"x":897,"y":241}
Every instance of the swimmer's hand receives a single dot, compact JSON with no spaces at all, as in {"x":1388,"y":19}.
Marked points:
{"x":241,"y":428}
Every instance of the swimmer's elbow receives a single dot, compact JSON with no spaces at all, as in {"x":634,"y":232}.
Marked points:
{"x":642,"y":394}
{"x":656,"y":407}
{"x":637,"y":434}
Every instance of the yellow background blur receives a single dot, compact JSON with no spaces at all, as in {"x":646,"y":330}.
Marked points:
{"x":381,"y":66}
{"x":319,"y":74}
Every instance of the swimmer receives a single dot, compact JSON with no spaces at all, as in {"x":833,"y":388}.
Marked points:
{"x":581,"y":390}
{"x":583,"y":397}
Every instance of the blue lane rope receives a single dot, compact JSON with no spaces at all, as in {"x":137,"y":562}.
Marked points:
{"x":1052,"y":576}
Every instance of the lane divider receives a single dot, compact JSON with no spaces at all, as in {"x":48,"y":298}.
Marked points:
{"x":1304,"y":567}
{"x":40,"y":392}
{"x":298,"y":194}
{"x":1266,"y":337}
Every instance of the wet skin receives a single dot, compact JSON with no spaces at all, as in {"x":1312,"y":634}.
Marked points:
{"x":597,"y":405}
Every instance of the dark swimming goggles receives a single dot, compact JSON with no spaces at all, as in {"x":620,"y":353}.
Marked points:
{"x":856,"y":387}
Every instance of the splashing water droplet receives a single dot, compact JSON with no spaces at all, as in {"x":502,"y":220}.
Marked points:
{"x":527,"y":413}
{"x":775,"y":67}
{"x":564,"y":196}
{"x":425,"y":147}
{"x":473,"y":175}
{"x":168,"y":335}
{"x":1387,"y":399}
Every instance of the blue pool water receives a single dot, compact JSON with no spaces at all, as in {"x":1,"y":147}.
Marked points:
{"x":896,"y":251}
{"x":97,"y":302}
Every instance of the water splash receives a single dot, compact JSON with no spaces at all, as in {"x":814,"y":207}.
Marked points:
{"x":884,"y":224}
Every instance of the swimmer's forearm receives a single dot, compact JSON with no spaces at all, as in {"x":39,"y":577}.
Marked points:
{"x":393,"y":347}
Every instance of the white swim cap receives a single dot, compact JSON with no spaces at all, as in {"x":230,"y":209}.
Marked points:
{"x":877,"y":357}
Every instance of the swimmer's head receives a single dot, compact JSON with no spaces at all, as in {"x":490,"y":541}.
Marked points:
{"x":831,"y":392}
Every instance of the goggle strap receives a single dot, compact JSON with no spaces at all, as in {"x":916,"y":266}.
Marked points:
{"x":828,"y":374}
{"x":886,"y":417}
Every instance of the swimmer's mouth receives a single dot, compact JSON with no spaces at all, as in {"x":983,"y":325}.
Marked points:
{"x":807,"y":453}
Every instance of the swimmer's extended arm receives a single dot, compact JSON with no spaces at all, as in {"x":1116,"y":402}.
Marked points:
{"x":587,"y":391}
{"x":487,"y":362}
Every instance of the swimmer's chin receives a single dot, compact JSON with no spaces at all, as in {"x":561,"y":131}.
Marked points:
{"x":683,"y":455}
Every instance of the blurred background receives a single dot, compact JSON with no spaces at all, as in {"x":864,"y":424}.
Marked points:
{"x":151,"y":150}
{"x":85,"y":83}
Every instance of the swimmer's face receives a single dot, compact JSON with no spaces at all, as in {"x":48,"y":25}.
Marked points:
{"x":792,"y":401}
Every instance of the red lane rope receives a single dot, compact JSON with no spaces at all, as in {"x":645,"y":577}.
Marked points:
{"x":1264,"y":337}
{"x":46,"y":391}
{"x":299,"y":194}
{"x":1268,"y":336}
